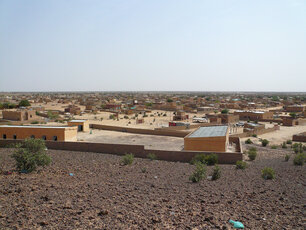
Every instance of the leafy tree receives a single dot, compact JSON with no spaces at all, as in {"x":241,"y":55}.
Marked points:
{"x":293,"y":115}
{"x":224,"y":111}
{"x":169,"y":100}
{"x":24,"y":103}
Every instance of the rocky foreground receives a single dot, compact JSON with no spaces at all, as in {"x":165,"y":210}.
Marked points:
{"x":103,"y":194}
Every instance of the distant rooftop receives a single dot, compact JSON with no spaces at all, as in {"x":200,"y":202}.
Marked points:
{"x":77,"y":120}
{"x":210,"y":131}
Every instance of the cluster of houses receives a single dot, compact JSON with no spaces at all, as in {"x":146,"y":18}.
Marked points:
{"x":214,"y":108}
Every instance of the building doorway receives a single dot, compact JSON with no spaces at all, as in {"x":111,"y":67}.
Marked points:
{"x":80,"y":128}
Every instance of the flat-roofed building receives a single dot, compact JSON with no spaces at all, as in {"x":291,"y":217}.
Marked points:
{"x":50,"y":133}
{"x":19,"y":115}
{"x":294,"y":108}
{"x":211,"y":138}
{"x":254,"y":115}
{"x":83,"y":125}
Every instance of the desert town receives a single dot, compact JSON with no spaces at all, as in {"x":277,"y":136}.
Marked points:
{"x":95,"y":115}
{"x":91,"y":136}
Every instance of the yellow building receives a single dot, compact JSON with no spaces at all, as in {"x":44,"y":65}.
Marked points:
{"x":211,"y":138}
{"x":50,"y":133}
{"x":83,"y":125}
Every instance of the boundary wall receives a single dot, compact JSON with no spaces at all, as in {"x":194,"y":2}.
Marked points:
{"x":136,"y":150}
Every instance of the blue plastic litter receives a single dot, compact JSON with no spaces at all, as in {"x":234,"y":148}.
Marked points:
{"x":237,"y":224}
{"x":70,"y":174}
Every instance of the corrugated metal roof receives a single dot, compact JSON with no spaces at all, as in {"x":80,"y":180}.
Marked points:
{"x":210,"y":131}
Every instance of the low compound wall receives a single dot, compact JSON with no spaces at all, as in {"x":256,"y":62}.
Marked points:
{"x":300,"y":137}
{"x":257,"y":132}
{"x":136,"y":150}
{"x":172,"y":133}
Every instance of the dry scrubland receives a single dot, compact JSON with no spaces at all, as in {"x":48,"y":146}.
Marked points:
{"x":103,"y":194}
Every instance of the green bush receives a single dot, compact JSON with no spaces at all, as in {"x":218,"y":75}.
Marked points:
{"x":241,"y":165}
{"x":128,"y":159}
{"x":289,"y":142}
{"x":284,"y":145}
{"x":252,"y":154}
{"x":287,"y":157}
{"x":248,"y":141}
{"x":299,"y":159}
{"x":268,"y":173}
{"x":30,"y":155}
{"x":199,"y":172}
{"x":198,"y":158}
{"x":264,"y":142}
{"x":216,"y":173}
{"x":144,"y":170}
{"x":152,"y":156}
{"x":274,"y":147}
{"x":254,"y":135}
{"x":253,"y":149}
{"x":34,"y":122}
{"x":211,"y":159}
{"x":224,"y":111}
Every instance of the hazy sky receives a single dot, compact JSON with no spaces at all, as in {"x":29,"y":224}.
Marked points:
{"x":63,"y":45}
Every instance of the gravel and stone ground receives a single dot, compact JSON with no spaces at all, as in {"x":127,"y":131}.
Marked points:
{"x":103,"y":194}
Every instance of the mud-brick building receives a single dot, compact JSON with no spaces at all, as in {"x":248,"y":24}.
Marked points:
{"x":83,"y":125}
{"x":19,"y":115}
{"x":211,"y":138}
{"x":254,"y":115}
{"x":50,"y":133}
{"x":294,"y":108}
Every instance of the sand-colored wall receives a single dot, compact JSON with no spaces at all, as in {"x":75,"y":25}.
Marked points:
{"x":173,"y":133}
{"x":257,"y":132}
{"x":205,"y":143}
{"x":26,"y":132}
{"x":136,"y":150}
{"x":84,"y":123}
{"x":12,"y":115}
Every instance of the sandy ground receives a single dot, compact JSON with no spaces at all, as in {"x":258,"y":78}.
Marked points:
{"x":277,"y":137}
{"x":149,"y":141}
{"x":103,"y":194}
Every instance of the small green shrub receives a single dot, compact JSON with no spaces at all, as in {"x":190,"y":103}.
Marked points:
{"x":216,"y":173}
{"x":248,"y":141}
{"x":264,"y":142}
{"x":274,"y":147}
{"x":199,"y":172}
{"x":241,"y":165}
{"x":252,"y":155}
{"x":210,"y":159}
{"x":254,"y":135}
{"x":198,"y":158}
{"x":296,"y":150}
{"x":289,"y":142}
{"x":128,"y":159}
{"x":287,"y":157}
{"x":299,"y":159}
{"x":34,"y":122}
{"x":144,"y":170}
{"x":152,"y":156}
{"x":253,"y":149}
{"x":30,"y":155}
{"x":268,"y":173}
